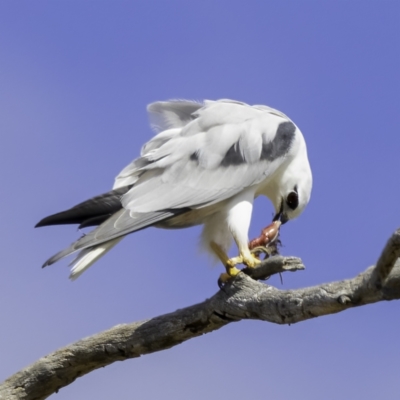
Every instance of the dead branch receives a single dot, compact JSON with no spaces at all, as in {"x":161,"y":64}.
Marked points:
{"x":241,"y":298}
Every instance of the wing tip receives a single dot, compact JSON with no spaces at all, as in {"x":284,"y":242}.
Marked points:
{"x":41,"y":223}
{"x":56,"y":219}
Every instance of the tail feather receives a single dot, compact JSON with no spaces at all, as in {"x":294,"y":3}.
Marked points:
{"x":58,"y":256}
{"x":88,"y":257}
{"x":99,"y":241}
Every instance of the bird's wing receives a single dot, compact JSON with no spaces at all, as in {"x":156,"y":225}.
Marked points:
{"x":225,"y":148}
{"x":165,"y":115}
{"x":167,"y":118}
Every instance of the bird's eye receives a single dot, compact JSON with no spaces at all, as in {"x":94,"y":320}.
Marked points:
{"x":292,"y":200}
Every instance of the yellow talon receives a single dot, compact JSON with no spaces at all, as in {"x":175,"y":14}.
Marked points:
{"x":234,"y":261}
{"x":232,"y":271}
{"x":251,"y":261}
{"x":226,"y":276}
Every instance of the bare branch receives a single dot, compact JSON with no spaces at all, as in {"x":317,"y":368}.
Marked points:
{"x":275,"y":265}
{"x":241,"y":298}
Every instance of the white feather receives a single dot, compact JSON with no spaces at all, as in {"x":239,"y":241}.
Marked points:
{"x":87,"y":257}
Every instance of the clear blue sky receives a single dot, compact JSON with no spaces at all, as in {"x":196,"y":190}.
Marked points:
{"x":75,"y":78}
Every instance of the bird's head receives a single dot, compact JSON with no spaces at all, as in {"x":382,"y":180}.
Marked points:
{"x":293,"y":190}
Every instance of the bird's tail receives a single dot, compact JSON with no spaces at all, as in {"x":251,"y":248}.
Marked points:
{"x":89,"y":256}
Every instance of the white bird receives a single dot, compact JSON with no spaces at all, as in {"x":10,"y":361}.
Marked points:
{"x":206,"y":165}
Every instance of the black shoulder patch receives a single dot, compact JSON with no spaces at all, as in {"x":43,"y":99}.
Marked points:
{"x":194,"y":156}
{"x":233,"y":156}
{"x":281,"y":144}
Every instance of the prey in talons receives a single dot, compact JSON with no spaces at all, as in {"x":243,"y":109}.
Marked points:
{"x":268,"y":241}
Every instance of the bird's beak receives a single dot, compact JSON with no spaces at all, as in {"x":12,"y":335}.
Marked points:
{"x":281,"y":216}
{"x":277,"y":216}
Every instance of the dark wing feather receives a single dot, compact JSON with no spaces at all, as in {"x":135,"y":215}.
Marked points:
{"x":91,"y":212}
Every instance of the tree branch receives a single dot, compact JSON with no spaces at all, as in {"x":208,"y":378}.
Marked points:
{"x":241,"y":298}
{"x":386,"y":261}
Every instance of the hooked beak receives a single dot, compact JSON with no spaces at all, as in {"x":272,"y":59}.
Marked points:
{"x":284,"y":218}
{"x":281,"y":216}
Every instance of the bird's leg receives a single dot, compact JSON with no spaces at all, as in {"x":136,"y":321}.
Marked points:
{"x":239,"y":222}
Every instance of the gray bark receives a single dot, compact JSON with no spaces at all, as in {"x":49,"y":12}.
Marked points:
{"x":241,"y":298}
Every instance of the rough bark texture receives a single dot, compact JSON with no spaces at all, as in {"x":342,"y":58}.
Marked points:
{"x":242,"y":298}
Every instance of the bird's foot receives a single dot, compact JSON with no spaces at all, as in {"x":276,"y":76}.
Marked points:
{"x":245,"y":257}
{"x":250,"y":260}
{"x":230,"y":273}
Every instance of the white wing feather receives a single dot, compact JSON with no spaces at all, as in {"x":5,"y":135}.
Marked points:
{"x":211,"y":158}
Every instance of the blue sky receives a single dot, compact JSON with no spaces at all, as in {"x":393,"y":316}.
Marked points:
{"x":75,"y":78}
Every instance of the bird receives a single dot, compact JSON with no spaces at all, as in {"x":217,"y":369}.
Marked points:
{"x":205,"y":165}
